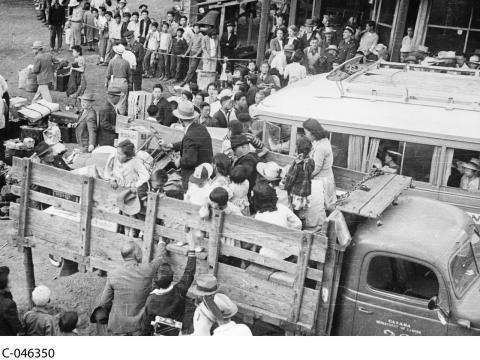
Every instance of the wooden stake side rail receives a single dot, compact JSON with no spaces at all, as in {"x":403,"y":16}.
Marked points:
{"x":81,"y":228}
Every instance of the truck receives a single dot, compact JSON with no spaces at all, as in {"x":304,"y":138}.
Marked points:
{"x":382,"y":264}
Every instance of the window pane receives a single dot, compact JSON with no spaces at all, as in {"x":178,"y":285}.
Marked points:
{"x":444,"y":39}
{"x":450,"y":13}
{"x":476,"y":17}
{"x":388,"y":155}
{"x":473,"y":42}
{"x":383,"y":34}
{"x":387,"y":11}
{"x":402,"y":277}
{"x":277,"y":137}
{"x":417,"y":161}
{"x":464,"y":269}
{"x":463,"y":178}
{"x":340,"y":149}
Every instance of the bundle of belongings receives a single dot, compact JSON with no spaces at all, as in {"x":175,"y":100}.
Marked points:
{"x":38,"y":110}
{"x":27,"y":80}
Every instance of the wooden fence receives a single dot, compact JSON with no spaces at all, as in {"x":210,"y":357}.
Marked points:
{"x":73,"y":222}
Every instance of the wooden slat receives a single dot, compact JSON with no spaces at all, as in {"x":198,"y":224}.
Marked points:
{"x":150,"y":221}
{"x":25,"y":171}
{"x":57,"y":202}
{"x":181,"y":212}
{"x":214,"y":244}
{"x":385,"y":196}
{"x":301,"y":272}
{"x":86,"y":203}
{"x":50,"y":177}
{"x":103,"y":215}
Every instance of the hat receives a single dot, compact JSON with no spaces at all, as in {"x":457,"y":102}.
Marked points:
{"x":475,"y":161}
{"x":350,"y":29}
{"x":474,"y":59}
{"x":114,"y":91}
{"x":184,"y":111}
{"x":394,"y":153}
{"x":73,"y":3}
{"x":41,"y":149}
{"x":225,"y":92}
{"x":470,"y":165}
{"x":238,"y":140}
{"x":88,"y":97}
{"x":119,"y":49}
{"x":270,"y":170}
{"x":128,"y":202}
{"x":38,"y":45}
{"x":128,"y":34}
{"x":309,"y":22}
{"x":332,"y":47}
{"x":221,"y":306}
{"x":202,"y":173}
{"x":41,"y":295}
{"x":206,"y":284}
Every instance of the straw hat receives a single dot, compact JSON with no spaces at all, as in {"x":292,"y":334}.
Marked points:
{"x":470,"y":165}
{"x":88,"y":97}
{"x":128,"y":202}
{"x":474,"y":59}
{"x":119,"y":49}
{"x":41,"y":295}
{"x":184,"y":111}
{"x":206,"y":284}
{"x":220,"y":306}
{"x":270,"y":170}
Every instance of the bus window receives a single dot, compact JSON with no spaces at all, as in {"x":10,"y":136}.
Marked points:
{"x":465,"y":170}
{"x":277,"y":137}
{"x":417,"y":161}
{"x":339,"y":148}
{"x":385,"y":154}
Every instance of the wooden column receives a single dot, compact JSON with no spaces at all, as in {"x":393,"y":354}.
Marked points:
{"x":263,"y":31}
{"x":421,"y":25}
{"x":22,"y":227}
{"x":86,"y":204}
{"x":398,"y":29}
{"x":317,"y":7}
{"x":214,"y":240}
{"x":293,"y":12}
{"x":222,"y":22}
{"x":150,"y":223}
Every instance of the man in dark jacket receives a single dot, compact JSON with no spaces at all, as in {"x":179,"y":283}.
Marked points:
{"x":127,"y":289}
{"x":168,"y":300}
{"x":179,"y":46}
{"x":107,"y":118}
{"x":228,"y":45}
{"x":220,"y":118}
{"x":56,"y":22}
{"x":347,"y":48}
{"x":9,"y":322}
{"x":196,"y":146}
{"x":139,"y":51}
{"x":243,"y":156}
{"x":164,"y":114}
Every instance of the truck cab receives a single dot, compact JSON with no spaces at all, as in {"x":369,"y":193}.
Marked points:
{"x":415,"y":274}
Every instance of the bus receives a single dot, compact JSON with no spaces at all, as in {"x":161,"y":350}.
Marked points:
{"x":427,"y":119}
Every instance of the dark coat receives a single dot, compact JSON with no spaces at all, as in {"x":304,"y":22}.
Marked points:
{"x":9,"y":322}
{"x":86,"y":130}
{"x":170,"y":304}
{"x":346,"y":51}
{"x":126,"y":290}
{"x":219,"y":120}
{"x":250,"y":162}
{"x":39,"y":322}
{"x":305,"y":40}
{"x":139,"y":52}
{"x":57,"y":15}
{"x":43,"y":67}
{"x":144,"y":24}
{"x":228,"y":45}
{"x":195,"y":149}
{"x":164,"y":114}
{"x":107,"y":118}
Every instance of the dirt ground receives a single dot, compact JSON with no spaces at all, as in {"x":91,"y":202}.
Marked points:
{"x":18,"y":30}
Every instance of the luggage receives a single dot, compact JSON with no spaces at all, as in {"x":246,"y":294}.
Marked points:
{"x":61,"y":82}
{"x":36,"y":133}
{"x":38,"y":110}
{"x":27,"y":80}
{"x":138,"y":103}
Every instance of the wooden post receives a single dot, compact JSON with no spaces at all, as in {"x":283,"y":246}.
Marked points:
{"x":150,"y":223}
{"x":293,"y":12}
{"x":22,"y":227}
{"x":86,"y":204}
{"x":263,"y":31}
{"x":398,"y":29}
{"x":214,"y":245}
{"x":302,"y":264}
{"x":317,"y":6}
{"x":222,"y":22}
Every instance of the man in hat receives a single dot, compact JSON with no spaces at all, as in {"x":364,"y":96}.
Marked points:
{"x":127,"y":289}
{"x":470,"y":180}
{"x":43,"y":67}
{"x":228,"y":44}
{"x":347,"y":49}
{"x":474,"y":62}
{"x":118,"y":77}
{"x":194,"y":51}
{"x":139,"y":51}
{"x":107,"y":118}
{"x":309,"y":35}
{"x":243,"y":155}
{"x":222,"y":309}
{"x":9,"y":321}
{"x":167,"y":299}
{"x":86,"y":126}
{"x":196,"y":145}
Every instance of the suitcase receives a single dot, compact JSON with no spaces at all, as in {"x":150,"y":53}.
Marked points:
{"x":36,"y":133}
{"x":68,"y":135}
{"x":61,"y":82}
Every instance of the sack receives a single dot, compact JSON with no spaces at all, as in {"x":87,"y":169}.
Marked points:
{"x":27,"y":80}
{"x":52,"y":134}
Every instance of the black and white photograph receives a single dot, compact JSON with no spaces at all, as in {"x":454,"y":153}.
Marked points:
{"x":250,"y":168}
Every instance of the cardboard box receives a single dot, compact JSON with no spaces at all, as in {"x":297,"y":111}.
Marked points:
{"x":137,"y":135}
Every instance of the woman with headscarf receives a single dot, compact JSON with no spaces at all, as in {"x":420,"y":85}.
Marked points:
{"x":323,"y":195}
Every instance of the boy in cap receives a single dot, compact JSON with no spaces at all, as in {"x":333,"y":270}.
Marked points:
{"x":39,"y":321}
{"x":167,"y":300}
